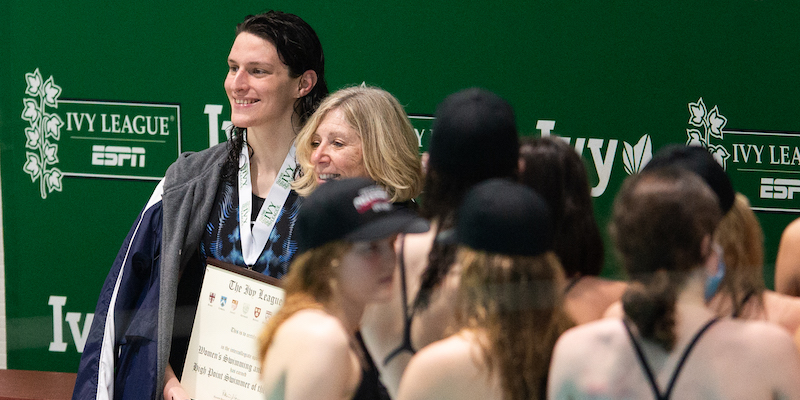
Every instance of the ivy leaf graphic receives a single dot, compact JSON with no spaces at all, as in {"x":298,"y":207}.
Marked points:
{"x":51,"y":93}
{"x":697,"y":112}
{"x":32,"y":166}
{"x":720,"y":154}
{"x":33,"y":138}
{"x":51,"y":153}
{"x":695,"y":138}
{"x":31,"y":111}
{"x":52,"y":125}
{"x":716,"y":122}
{"x":34,"y":80}
{"x":53,"y":179}
{"x":636,"y":157}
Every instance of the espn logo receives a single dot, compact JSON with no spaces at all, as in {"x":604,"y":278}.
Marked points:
{"x":772,"y":188}
{"x":117,"y":156}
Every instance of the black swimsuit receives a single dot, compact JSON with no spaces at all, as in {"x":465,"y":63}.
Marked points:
{"x":409,"y":315}
{"x":666,"y":395}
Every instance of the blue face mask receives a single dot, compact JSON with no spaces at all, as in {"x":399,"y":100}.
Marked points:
{"x":713,"y":281}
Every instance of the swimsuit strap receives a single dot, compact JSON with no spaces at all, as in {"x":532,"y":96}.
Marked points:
{"x":746,"y":298}
{"x":678,"y":368}
{"x":572,"y":283}
{"x":407,"y":315}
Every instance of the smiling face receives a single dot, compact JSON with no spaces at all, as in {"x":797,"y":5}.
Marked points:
{"x":366,"y":271}
{"x":336,"y":149}
{"x":258,"y":84}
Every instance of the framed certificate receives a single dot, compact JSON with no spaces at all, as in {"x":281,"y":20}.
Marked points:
{"x":222,"y":361}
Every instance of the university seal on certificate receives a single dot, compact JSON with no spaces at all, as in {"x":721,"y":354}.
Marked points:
{"x":222,"y":361}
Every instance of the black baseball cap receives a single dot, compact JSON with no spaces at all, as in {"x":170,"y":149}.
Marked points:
{"x":698,"y":160}
{"x":353,"y":210}
{"x":505,"y":217}
{"x":474,"y":134}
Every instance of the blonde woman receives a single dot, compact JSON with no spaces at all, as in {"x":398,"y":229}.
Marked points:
{"x":346,"y":232}
{"x":509,"y":306}
{"x":360,"y":131}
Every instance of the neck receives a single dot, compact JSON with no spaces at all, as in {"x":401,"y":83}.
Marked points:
{"x":348,"y":312}
{"x":691,"y":311}
{"x":269,"y":147}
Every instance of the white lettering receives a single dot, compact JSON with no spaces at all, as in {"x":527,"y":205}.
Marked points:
{"x":603,"y":166}
{"x":77,"y":335}
{"x":545,"y":126}
{"x":58,"y":344}
{"x":115,"y":156}
{"x":419,"y":135}
{"x":213,"y":111}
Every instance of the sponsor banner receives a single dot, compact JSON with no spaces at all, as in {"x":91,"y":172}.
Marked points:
{"x":89,"y":138}
{"x":119,"y":140}
{"x":764,"y":166}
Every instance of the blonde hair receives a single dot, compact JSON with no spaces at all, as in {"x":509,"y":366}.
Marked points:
{"x":389,"y":145}
{"x":742,"y":240}
{"x":516,"y":301}
{"x":309,"y":285}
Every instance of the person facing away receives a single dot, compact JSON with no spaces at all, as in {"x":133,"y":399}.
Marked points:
{"x":510,"y":309}
{"x":346,"y":233}
{"x":202,"y":208}
{"x":476,"y":139}
{"x":552,"y":167}
{"x":742,"y":292}
{"x":669,"y":344}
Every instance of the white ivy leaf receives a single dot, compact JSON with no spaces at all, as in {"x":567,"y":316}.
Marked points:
{"x":697,"y":112}
{"x":53,"y":179}
{"x":636,"y":157}
{"x":32,"y":166}
{"x":720,"y":154}
{"x":716,"y":122}
{"x":34,"y":81}
{"x":31,"y":111}
{"x":51,"y":93}
{"x":696,"y":138}
{"x":33,"y":138}
{"x":51,"y":153}
{"x":52,"y":126}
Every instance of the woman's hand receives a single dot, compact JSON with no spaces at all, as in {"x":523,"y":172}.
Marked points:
{"x":172,"y":386}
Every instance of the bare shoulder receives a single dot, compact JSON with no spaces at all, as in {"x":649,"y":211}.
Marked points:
{"x":792,"y":231}
{"x":606,"y":331}
{"x":312,"y":329}
{"x":449,"y":368}
{"x":757,"y":339}
{"x":783,"y":310}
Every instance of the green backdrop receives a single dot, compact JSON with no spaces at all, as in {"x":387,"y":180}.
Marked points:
{"x":620,"y":79}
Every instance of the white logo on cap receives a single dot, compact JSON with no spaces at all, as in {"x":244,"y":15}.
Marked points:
{"x":372,"y":198}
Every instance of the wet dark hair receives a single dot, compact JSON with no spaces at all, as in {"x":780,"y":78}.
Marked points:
{"x":300,"y":49}
{"x":660,"y":221}
{"x":558,"y":174}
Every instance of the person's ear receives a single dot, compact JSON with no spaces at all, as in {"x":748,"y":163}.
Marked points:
{"x":307,"y":82}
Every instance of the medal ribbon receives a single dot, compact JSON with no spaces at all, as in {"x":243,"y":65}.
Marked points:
{"x":253,"y":239}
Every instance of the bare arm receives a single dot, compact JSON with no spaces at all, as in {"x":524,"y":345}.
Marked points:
{"x":787,"y":265}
